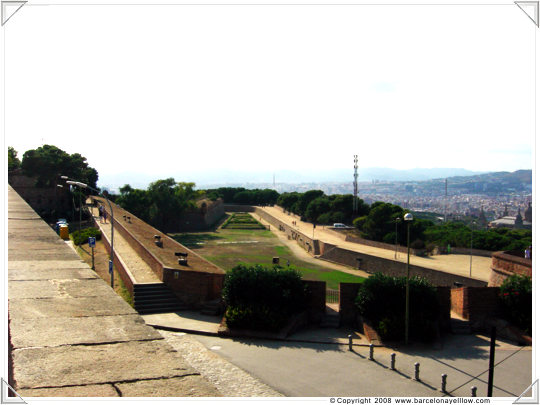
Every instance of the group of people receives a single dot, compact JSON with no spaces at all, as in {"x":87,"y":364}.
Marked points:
{"x":102,"y":214}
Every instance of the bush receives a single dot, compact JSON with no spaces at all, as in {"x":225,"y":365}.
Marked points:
{"x":515,"y":294}
{"x":381,"y":299}
{"x":81,"y":237}
{"x":262,"y":298}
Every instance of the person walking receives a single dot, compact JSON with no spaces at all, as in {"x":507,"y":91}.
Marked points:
{"x":104,"y":216}
{"x":100,"y":210}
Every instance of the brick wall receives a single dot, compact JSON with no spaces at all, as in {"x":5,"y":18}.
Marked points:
{"x":193,"y":288}
{"x":504,"y":264}
{"x":316,"y":299}
{"x":374,"y":264}
{"x":347,"y":309}
{"x":475,"y":303}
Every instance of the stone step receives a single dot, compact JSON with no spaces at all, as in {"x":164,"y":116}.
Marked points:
{"x":460,"y":326}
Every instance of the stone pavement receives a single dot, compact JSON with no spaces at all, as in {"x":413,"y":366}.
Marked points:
{"x":70,"y":334}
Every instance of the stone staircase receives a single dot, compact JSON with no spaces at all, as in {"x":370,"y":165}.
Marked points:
{"x":214,"y":307}
{"x":330,"y":319}
{"x":152,"y":298}
{"x":460,"y":326}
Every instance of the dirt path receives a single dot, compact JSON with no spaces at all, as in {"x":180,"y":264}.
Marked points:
{"x":305,"y":256}
{"x":455,"y":264}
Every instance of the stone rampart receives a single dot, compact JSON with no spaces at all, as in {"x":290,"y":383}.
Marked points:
{"x":374,"y":264}
{"x":200,"y":278}
{"x":505,"y":264}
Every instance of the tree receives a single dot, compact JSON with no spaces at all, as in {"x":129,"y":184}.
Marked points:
{"x":13,"y":160}
{"x":48,"y":162}
{"x":316,"y":208}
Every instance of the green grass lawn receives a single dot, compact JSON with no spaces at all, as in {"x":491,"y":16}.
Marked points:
{"x":230,"y":247}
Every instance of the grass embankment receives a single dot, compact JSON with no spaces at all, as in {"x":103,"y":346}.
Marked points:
{"x":230,"y":247}
{"x":101,"y":264}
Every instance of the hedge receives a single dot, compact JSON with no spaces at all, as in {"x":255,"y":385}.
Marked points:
{"x":515,"y":295}
{"x":262,"y":298}
{"x":381,"y":300}
{"x":81,"y":237}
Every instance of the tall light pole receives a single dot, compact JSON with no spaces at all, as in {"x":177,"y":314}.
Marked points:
{"x":111,"y":257}
{"x":472,"y":228}
{"x":408,"y":217}
{"x":397,"y":221}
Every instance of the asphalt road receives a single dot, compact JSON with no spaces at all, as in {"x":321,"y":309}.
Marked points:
{"x":326,"y":370}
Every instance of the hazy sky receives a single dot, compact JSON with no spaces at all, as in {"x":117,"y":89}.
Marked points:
{"x":162,"y":89}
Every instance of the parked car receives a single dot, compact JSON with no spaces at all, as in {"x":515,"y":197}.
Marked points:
{"x":339,"y":225}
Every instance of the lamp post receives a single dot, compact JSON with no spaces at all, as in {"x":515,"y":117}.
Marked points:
{"x":72,"y":200}
{"x":408,"y":217}
{"x":111,"y":257}
{"x":470,"y":267}
{"x":395,"y":254}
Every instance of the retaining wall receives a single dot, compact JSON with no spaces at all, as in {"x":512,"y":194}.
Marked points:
{"x":374,"y":264}
{"x":504,"y":264}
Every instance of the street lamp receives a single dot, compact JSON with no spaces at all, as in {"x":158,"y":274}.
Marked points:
{"x":397,"y":221}
{"x":408,"y":217}
{"x":111,"y":257}
{"x":472,"y":228}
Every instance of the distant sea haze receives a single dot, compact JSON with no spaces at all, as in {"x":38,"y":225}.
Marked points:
{"x":225,"y":178}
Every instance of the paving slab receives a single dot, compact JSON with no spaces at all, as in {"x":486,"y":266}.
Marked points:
{"x":16,"y":254}
{"x":71,"y":331}
{"x":24,"y":308}
{"x":58,"y":288}
{"x":31,"y":265}
{"x":51,"y":274}
{"x":190,"y":321}
{"x":188,"y":386}
{"x":96,"y":364}
{"x":101,"y":390}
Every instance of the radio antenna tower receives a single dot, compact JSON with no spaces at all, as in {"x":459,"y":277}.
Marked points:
{"x":355,"y":186}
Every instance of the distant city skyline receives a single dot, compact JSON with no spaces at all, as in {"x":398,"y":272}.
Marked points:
{"x":269,"y":88}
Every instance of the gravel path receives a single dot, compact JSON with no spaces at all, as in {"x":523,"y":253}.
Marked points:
{"x":228,"y":379}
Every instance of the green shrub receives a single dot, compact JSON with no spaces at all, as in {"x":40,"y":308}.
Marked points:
{"x":515,"y":295}
{"x":381,"y":300}
{"x":81,"y":237}
{"x":262,"y":298}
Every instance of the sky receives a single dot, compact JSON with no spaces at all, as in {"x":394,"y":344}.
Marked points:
{"x":176,"y":88}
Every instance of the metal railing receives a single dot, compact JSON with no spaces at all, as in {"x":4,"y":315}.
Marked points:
{"x":332,"y":296}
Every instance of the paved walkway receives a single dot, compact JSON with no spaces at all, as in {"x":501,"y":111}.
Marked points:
{"x":142,"y":273}
{"x":456,"y":264}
